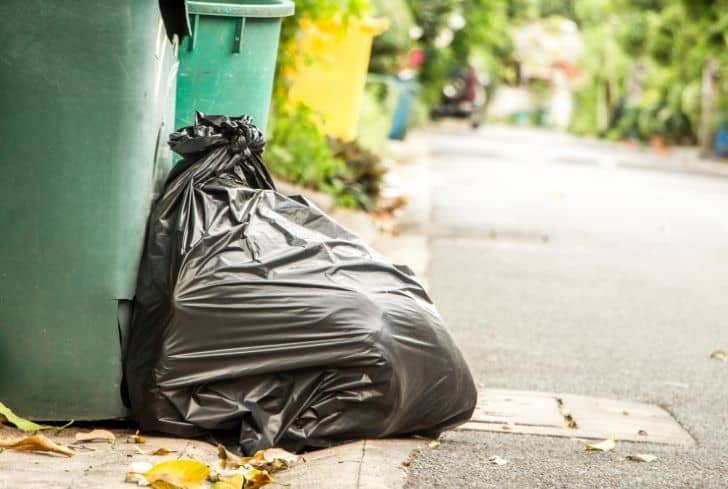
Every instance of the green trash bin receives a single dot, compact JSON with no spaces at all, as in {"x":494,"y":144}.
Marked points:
{"x":228,"y":62}
{"x":88,"y":95}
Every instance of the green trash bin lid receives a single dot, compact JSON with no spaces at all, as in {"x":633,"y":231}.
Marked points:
{"x":242,"y":8}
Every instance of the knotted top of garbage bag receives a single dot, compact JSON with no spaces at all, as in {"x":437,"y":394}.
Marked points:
{"x":243,"y":141}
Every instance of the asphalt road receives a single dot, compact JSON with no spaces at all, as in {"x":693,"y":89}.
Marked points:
{"x":570,"y":266}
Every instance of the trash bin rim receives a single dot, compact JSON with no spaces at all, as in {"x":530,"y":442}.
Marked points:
{"x":282,"y":8}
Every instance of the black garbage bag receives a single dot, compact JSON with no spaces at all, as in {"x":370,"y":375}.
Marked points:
{"x":261,"y":322}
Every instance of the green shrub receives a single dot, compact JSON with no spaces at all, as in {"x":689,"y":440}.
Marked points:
{"x":361,"y":181}
{"x":299,"y":153}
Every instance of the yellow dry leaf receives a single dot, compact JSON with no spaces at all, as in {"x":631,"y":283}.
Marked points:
{"x":720,"y":355}
{"x":642,"y":457}
{"x":234,"y":482}
{"x":177,"y":474}
{"x":96,"y":435}
{"x":36,"y":443}
{"x":434,"y":444}
{"x":602,"y":446}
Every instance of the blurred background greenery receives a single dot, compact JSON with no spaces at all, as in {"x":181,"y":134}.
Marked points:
{"x":652,"y":71}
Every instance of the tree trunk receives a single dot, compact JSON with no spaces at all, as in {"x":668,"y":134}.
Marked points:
{"x":707,"y":103}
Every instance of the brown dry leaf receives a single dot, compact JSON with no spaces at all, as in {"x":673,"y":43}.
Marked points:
{"x":602,"y":446}
{"x":721,"y":355}
{"x":95,"y":435}
{"x":642,"y":457}
{"x":36,"y":443}
{"x":277,"y":454}
{"x":255,"y":478}
{"x":642,"y":433}
{"x":136,"y":438}
{"x":177,"y":474}
{"x":272,"y":459}
{"x":159,"y":452}
{"x":228,"y":460}
{"x":234,"y":482}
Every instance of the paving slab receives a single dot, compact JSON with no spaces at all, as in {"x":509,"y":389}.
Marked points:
{"x":368,"y":464}
{"x":569,"y":415}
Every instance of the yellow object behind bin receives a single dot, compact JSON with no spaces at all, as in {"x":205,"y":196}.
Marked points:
{"x":331,"y":70}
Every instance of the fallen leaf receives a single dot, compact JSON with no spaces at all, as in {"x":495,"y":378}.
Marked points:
{"x":272,"y":454}
{"x":234,"y":482}
{"x":434,"y":444}
{"x":255,"y":478}
{"x":272,"y":459}
{"x":602,"y":446}
{"x":159,"y":452}
{"x":36,"y":443}
{"x":228,"y":460}
{"x":96,"y":435}
{"x":570,"y":423}
{"x":496,"y":460}
{"x":625,"y":412}
{"x":568,"y":418}
{"x":136,"y":438}
{"x":721,"y":355}
{"x":136,"y":472}
{"x":24,"y":424}
{"x":642,"y":457}
{"x":642,"y":433}
{"x":177,"y":474}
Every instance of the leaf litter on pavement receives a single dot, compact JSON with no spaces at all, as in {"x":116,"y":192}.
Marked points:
{"x":231,"y":472}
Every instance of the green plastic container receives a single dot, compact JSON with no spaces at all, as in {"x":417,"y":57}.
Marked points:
{"x":88,"y":101}
{"x":228,"y":62}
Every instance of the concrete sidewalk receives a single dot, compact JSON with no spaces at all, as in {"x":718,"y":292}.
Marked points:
{"x":369,"y":464}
